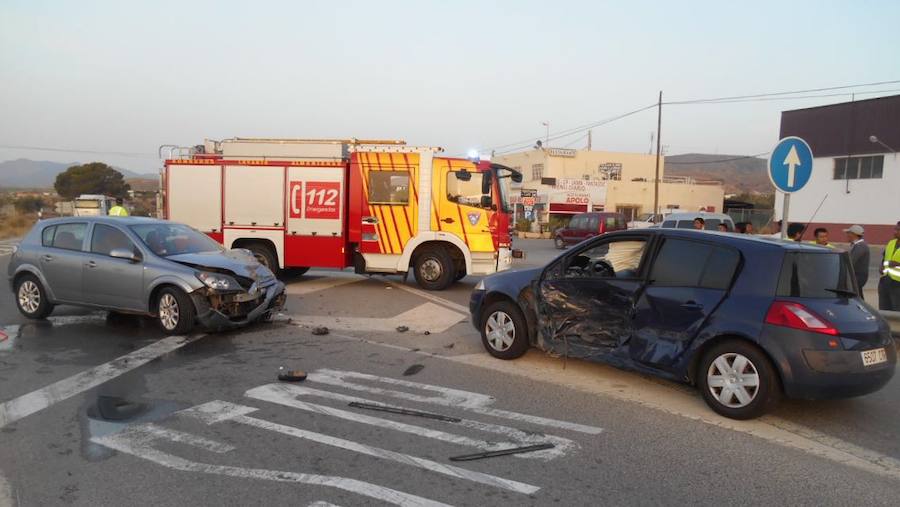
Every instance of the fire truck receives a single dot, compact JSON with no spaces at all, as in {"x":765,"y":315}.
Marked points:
{"x":375,"y":205}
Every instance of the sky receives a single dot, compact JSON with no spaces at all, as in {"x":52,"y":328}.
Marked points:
{"x":122,"y":78}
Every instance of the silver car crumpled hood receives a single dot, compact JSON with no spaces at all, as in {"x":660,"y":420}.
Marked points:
{"x":238,"y":261}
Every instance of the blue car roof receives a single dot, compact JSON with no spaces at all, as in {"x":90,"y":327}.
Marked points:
{"x":740,"y":241}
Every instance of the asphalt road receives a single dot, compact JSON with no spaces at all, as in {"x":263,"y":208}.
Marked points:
{"x":105,"y":411}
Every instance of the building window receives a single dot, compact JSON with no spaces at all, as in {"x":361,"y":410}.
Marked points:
{"x":859,"y":168}
{"x":537,"y":171}
{"x":548,"y":181}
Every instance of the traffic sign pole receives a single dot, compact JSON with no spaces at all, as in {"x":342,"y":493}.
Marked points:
{"x":786,"y":204}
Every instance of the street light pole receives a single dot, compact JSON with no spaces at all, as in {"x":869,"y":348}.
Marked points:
{"x":547,"y":139}
{"x":658,"y":139}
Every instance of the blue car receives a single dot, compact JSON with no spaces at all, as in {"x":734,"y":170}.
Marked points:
{"x":747,"y":320}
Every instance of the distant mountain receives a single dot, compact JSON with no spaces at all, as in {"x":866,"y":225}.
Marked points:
{"x":41,"y":173}
{"x":739,"y":174}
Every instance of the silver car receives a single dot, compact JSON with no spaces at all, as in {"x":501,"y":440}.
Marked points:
{"x":143,"y":266}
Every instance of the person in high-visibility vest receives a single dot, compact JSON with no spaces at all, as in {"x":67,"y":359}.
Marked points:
{"x":821,"y":235}
{"x":889,"y":285}
{"x":118,"y":210}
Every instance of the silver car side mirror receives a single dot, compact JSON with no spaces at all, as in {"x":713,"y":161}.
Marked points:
{"x":124,"y":253}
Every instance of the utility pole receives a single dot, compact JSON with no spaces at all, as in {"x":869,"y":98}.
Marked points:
{"x":589,"y":140}
{"x":656,"y":180}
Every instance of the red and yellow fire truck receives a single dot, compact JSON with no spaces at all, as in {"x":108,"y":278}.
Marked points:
{"x":378,"y":206}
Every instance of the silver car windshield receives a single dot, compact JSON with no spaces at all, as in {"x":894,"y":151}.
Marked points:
{"x":174,"y":239}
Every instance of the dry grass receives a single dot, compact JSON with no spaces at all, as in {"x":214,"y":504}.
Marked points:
{"x":16,"y":226}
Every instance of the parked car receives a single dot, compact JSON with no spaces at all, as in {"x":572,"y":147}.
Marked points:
{"x":745,"y":319}
{"x":588,"y":225}
{"x":143,"y":266}
{"x":645,"y":220}
{"x":686,"y":221}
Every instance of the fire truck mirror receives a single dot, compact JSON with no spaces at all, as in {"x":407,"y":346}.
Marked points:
{"x":463,"y":175}
{"x":486,"y":184}
{"x":486,"y":202}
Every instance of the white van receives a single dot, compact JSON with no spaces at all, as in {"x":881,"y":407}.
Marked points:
{"x":686,"y":221}
{"x":89,"y":205}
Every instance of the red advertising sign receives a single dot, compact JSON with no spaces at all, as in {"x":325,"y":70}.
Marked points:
{"x":323,"y":199}
{"x":296,"y":200}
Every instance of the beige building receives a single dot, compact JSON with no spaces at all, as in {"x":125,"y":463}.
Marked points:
{"x":571,"y":181}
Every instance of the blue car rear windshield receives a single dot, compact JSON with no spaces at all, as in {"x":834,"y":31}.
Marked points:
{"x":174,"y":239}
{"x":816,"y":275}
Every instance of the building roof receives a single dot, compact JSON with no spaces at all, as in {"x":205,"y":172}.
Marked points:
{"x":840,"y":130}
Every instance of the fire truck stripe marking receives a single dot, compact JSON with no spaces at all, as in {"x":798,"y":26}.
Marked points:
{"x":364,"y":175}
{"x":415,"y":205}
{"x":388,"y":211}
{"x":388,"y":238}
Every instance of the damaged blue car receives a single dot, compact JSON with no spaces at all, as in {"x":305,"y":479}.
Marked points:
{"x":747,"y":320}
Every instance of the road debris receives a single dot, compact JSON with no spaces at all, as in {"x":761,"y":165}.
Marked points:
{"x":404,"y":411}
{"x":450,"y":346}
{"x":412,"y":370}
{"x":502,"y":452}
{"x":320,"y":330}
{"x":402,"y":329}
{"x":290,"y":375}
{"x":427,"y":333}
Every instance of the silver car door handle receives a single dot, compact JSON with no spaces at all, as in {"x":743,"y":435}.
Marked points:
{"x":47,"y":257}
{"x":91,"y":264}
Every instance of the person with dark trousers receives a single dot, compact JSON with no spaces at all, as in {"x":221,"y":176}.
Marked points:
{"x":889,"y":284}
{"x":859,"y":255}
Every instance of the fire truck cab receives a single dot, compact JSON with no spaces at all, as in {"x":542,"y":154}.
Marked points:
{"x":377,"y":206}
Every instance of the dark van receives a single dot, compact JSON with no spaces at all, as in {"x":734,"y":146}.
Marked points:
{"x":588,"y":225}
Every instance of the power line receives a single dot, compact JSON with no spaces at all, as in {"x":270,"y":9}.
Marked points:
{"x":773,"y":94}
{"x":90,"y":152}
{"x":767,"y":99}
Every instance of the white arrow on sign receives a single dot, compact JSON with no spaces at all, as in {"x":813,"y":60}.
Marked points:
{"x":792,"y":160}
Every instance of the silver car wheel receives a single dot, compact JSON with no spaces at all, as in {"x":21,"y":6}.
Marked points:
{"x":733,"y":380}
{"x":29,"y":296}
{"x":168,"y":311}
{"x":500,"y":331}
{"x":431,"y":270}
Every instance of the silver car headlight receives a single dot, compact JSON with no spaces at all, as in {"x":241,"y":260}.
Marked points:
{"x":480,"y":285}
{"x":218,"y":281}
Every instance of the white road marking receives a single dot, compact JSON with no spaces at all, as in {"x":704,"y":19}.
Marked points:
{"x":6,"y":493}
{"x":137,"y":441}
{"x":443,"y":396}
{"x":286,"y":394}
{"x":320,"y":503}
{"x":307,"y":286}
{"x":425,"y":317}
{"x":35,"y":401}
{"x":431,"y":297}
{"x":220,"y":410}
{"x":8,"y":336}
{"x":606,"y":380}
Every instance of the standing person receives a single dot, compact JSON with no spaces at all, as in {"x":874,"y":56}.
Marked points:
{"x":741,"y":227}
{"x":821,"y":235}
{"x":118,"y":210}
{"x":795,"y":231}
{"x":722,"y":227}
{"x":889,"y":284}
{"x":748,"y":228}
{"x":699,"y":223}
{"x":859,"y":255}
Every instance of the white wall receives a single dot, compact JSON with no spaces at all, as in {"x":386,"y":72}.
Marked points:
{"x":870,"y":201}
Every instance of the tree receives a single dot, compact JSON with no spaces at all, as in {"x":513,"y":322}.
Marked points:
{"x":93,"y":178}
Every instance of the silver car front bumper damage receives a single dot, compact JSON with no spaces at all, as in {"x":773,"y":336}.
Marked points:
{"x":212,"y":308}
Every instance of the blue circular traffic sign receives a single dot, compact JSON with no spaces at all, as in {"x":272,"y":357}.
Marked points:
{"x":790,"y":164}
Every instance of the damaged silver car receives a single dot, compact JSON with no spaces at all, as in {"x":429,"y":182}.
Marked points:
{"x":141,"y":266}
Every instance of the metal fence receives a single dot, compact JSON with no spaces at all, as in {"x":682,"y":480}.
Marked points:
{"x":760,"y":218}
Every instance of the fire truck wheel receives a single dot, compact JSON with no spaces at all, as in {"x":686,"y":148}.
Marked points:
{"x":460,"y":274}
{"x":265,"y":256}
{"x":434,"y":269}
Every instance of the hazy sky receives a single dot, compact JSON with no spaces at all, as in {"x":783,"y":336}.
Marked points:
{"x":128,"y":76}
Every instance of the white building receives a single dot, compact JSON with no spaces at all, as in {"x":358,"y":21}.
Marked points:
{"x":856,"y":168}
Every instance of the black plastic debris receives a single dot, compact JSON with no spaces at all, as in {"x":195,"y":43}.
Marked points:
{"x":427,"y":332}
{"x":502,"y":452}
{"x":291,"y":375}
{"x":412,"y":370}
{"x":402,"y":329}
{"x":403,"y":411}
{"x":320,"y":330}
{"x":449,"y":346}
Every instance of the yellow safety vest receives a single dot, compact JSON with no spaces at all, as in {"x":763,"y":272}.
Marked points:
{"x":826,"y":245}
{"x":891,"y":253}
{"x":118,"y":211}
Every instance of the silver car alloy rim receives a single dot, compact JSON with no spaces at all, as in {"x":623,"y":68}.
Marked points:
{"x":733,"y":380}
{"x":168,"y":311}
{"x":500,"y":331}
{"x":431,"y":270}
{"x":29,"y":296}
